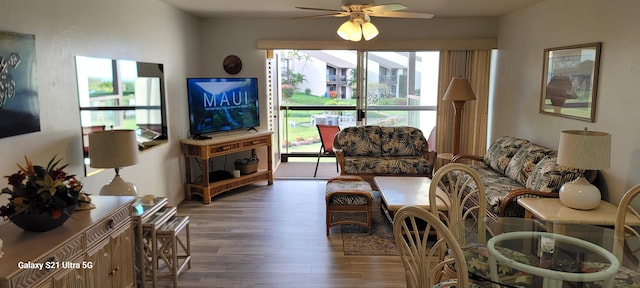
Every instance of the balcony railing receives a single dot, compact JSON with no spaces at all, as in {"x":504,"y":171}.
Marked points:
{"x":336,"y":79}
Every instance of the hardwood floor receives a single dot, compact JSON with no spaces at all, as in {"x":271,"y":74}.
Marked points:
{"x":274,"y":236}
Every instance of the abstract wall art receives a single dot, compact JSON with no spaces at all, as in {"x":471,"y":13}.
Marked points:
{"x":19,"y":110}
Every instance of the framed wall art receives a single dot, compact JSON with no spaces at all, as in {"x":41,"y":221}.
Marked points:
{"x":19,"y":110}
{"x":570,"y":81}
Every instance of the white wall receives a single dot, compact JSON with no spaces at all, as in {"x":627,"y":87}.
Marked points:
{"x":142,"y":30}
{"x":524,"y":35}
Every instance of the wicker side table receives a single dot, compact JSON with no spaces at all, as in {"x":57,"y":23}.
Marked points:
{"x":349,"y":200}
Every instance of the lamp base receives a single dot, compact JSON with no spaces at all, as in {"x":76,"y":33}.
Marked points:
{"x":118,"y":187}
{"x":580,"y":194}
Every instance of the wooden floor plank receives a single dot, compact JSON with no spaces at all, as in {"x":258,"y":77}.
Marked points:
{"x":274,"y":236}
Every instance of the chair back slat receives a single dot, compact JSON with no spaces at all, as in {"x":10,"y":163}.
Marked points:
{"x":424,"y":262}
{"x":466,"y":195}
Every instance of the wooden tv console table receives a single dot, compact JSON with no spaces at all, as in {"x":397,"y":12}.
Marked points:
{"x":202,"y":150}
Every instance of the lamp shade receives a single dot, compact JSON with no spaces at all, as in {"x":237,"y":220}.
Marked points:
{"x":369,"y":31}
{"x":459,"y":90}
{"x":350,"y":30}
{"x":582,"y":149}
{"x":113,"y":149}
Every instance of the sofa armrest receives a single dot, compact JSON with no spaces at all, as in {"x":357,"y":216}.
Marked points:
{"x":340,"y":158}
{"x":465,"y":158}
{"x":431,"y":156}
{"x":509,"y":206}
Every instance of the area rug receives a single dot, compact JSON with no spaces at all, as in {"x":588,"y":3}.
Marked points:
{"x":305,"y":170}
{"x":357,"y":241}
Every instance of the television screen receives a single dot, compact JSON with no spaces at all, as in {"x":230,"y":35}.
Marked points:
{"x":222,"y":104}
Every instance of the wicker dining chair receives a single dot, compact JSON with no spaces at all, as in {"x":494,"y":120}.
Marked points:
{"x":422,"y":261}
{"x":627,"y":240}
{"x":467,"y":202}
{"x":327,"y":133}
{"x":466,"y":195}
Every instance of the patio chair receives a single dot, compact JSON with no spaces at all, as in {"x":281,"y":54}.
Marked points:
{"x":327,"y":133}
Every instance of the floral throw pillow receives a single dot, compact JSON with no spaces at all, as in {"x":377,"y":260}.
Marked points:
{"x":501,"y":151}
{"x":525,"y":160}
{"x":548,"y":176}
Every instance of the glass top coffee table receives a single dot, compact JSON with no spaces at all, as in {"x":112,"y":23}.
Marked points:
{"x":399,"y":191}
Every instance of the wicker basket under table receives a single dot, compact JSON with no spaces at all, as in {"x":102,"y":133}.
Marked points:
{"x":349,"y":200}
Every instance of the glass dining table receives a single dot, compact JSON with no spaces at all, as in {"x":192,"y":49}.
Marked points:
{"x":518,"y":252}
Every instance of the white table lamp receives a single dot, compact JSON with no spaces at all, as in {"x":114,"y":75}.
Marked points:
{"x":588,"y":150}
{"x":114,"y":149}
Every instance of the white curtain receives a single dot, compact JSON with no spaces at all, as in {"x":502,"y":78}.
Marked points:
{"x":475,"y":65}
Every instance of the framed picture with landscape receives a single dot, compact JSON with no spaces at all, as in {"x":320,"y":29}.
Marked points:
{"x":570,"y":81}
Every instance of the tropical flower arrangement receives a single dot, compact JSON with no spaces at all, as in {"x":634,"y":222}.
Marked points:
{"x":37,"y":190}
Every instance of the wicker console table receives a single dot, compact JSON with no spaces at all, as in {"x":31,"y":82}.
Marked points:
{"x":202,"y":150}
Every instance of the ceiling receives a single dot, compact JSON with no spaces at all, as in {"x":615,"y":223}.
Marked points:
{"x":286,"y":8}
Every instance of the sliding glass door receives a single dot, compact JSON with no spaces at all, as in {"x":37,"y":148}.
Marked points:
{"x":349,"y":88}
{"x":401,"y":88}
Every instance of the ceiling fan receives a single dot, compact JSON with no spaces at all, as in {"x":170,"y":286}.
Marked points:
{"x":360,"y":11}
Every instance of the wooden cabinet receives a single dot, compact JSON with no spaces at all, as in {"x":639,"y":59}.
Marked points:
{"x":112,"y":268}
{"x":73,"y":277}
{"x":94,"y":248}
{"x":202,"y":150}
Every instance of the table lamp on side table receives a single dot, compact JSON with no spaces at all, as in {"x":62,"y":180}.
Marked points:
{"x":588,"y":150}
{"x":458,"y":92}
{"x":114,"y":149}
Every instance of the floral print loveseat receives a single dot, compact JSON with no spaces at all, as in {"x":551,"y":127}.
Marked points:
{"x":514,"y":168}
{"x":369,"y":151}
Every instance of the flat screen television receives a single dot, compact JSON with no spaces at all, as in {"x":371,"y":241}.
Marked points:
{"x":222,"y":104}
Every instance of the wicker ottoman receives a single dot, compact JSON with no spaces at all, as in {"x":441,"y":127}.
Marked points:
{"x":349,"y":200}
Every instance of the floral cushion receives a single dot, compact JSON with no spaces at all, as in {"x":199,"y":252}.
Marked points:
{"x":387,"y":165}
{"x":383,"y":150}
{"x":548,"y":176}
{"x":402,"y":141}
{"x":501,"y":151}
{"x":348,"y":199}
{"x":525,"y":160}
{"x":477,"y":258}
{"x":496,"y":186}
{"x":625,"y":278}
{"x":359,"y":141}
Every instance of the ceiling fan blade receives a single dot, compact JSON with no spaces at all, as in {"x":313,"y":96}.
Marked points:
{"x":402,"y":15}
{"x":341,"y":14}
{"x":386,"y":8}
{"x":319,"y":9}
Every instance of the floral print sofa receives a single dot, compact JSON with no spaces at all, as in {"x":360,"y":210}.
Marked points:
{"x":514,"y":168}
{"x":369,"y":151}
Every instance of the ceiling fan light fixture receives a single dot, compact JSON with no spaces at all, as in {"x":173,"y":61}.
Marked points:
{"x":350,"y":30}
{"x":369,"y":31}
{"x":360,"y":12}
